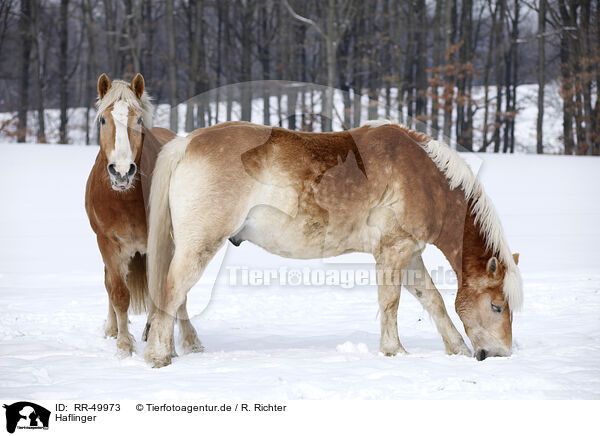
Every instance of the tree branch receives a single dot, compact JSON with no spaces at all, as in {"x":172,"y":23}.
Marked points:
{"x":304,"y":20}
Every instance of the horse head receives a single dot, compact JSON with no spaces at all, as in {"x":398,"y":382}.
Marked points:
{"x":122,"y":113}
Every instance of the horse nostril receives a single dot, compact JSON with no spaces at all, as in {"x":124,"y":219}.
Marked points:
{"x":481,"y":355}
{"x":112,"y":170}
{"x":132,"y":169}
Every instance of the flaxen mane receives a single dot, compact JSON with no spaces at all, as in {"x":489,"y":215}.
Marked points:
{"x":121,"y":91}
{"x":459,"y":174}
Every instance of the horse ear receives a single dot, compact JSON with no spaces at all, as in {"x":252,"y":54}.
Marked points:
{"x":516,"y":258}
{"x":137,"y":85}
{"x":492,"y":265}
{"x":103,"y":85}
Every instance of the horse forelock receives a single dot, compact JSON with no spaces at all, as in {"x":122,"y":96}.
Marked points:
{"x":121,"y":91}
{"x":459,"y":175}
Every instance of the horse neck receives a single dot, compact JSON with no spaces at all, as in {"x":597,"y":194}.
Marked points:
{"x":461,"y":240}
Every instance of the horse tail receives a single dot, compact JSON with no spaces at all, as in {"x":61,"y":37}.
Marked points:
{"x":137,"y":283}
{"x":160,"y":242}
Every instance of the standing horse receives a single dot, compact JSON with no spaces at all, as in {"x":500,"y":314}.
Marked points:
{"x":114,"y":199}
{"x":381,"y":189}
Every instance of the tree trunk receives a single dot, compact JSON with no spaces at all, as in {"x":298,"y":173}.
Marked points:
{"x":25,"y":34}
{"x":463,"y":127}
{"x":566,"y":84}
{"x":38,"y":72}
{"x":265,"y":61}
{"x":195,"y":44}
{"x":172,"y":67}
{"x":247,"y":28}
{"x":435,"y":76}
{"x":408,"y":84}
{"x":147,"y":50}
{"x":421,"y":65}
{"x":449,"y":10}
{"x":541,"y":75}
{"x":112,"y":46}
{"x":92,"y":64}
{"x":596,"y":114}
{"x":515,"y":73}
{"x":62,"y":69}
{"x":587,"y":74}
{"x":373,"y":67}
{"x":499,"y":67}
{"x":331,"y":42}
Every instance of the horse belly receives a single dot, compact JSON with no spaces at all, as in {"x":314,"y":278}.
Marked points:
{"x":299,"y":237}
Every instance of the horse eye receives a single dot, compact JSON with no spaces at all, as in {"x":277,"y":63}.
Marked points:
{"x":497,"y":308}
{"x":140,"y":120}
{"x":102,"y":120}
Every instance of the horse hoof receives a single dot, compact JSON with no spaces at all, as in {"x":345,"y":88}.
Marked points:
{"x":464,"y":351}
{"x":146,"y":332}
{"x":460,"y":349}
{"x":195,"y":347}
{"x":158,"y":362}
{"x":124,"y":347}
{"x":393,"y":350}
{"x":124,"y":351}
{"x":110,"y":333}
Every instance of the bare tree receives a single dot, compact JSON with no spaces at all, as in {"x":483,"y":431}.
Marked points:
{"x":62,"y":67}
{"x":38,"y":71}
{"x":25,"y":35}
{"x":6,"y":10}
{"x":541,"y":75}
{"x":338,"y":17}
{"x":172,"y":66}
{"x":196,"y":75}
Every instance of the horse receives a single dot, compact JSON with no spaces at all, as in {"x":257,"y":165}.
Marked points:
{"x":380,"y":188}
{"x":115,"y":198}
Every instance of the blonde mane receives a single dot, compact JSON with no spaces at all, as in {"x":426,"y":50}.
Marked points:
{"x":121,"y":91}
{"x":459,"y":175}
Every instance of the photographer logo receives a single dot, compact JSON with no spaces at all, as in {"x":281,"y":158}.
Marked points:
{"x":26,"y":415}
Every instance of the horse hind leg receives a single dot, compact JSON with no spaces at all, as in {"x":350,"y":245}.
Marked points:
{"x":189,"y":337}
{"x":419,"y":283}
{"x":391,"y":262}
{"x":190,"y":341}
{"x":188,"y":263}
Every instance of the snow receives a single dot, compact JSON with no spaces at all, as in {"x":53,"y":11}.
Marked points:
{"x":276,"y":342}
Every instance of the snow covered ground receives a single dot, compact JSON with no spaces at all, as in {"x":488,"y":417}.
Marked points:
{"x":294,"y":342}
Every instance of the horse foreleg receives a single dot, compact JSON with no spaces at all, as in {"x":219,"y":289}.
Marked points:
{"x":419,"y":284}
{"x":118,"y":294}
{"x":391,"y":261}
{"x":110,"y":328}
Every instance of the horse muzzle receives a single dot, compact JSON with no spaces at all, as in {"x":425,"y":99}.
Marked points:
{"x":483,"y":353}
{"x":121,"y":179}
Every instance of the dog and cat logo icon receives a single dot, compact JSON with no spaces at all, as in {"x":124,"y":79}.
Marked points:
{"x":26,"y":415}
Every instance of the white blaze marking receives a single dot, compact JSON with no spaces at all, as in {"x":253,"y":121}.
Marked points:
{"x":121,"y":156}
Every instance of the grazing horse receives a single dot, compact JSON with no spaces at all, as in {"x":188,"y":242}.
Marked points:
{"x":114,"y":199}
{"x":380,"y":189}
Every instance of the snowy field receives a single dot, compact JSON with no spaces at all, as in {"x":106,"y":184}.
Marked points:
{"x":294,"y":342}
